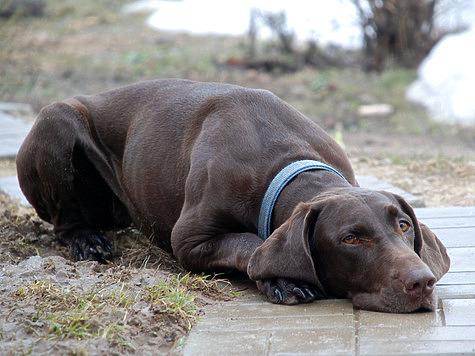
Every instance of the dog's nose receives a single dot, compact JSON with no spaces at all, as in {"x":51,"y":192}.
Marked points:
{"x":419,"y":282}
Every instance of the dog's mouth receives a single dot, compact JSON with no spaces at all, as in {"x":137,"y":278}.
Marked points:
{"x":388,"y":301}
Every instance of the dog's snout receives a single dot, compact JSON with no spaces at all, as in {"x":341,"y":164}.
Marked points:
{"x":420,"y":282}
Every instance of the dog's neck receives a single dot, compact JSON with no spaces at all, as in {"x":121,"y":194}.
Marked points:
{"x":303,"y":188}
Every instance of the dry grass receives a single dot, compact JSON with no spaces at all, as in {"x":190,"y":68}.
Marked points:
{"x":439,"y":181}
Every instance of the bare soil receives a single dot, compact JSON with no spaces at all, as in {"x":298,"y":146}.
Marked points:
{"x":49,"y":304}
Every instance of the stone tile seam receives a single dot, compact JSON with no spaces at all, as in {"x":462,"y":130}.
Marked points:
{"x":244,"y":318}
{"x":268,"y":343}
{"x":206,"y":329}
{"x":356,"y":326}
{"x":232,"y":305}
{"x":441,"y":312}
{"x":457,"y":284}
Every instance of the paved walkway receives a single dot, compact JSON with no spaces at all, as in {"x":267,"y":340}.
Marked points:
{"x":12,"y":133}
{"x":250,"y":326}
{"x":12,"y":129}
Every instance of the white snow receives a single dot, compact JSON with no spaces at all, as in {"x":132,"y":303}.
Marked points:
{"x":307,"y":19}
{"x":446,"y":77}
{"x":446,"y":84}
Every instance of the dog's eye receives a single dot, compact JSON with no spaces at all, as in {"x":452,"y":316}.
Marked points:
{"x":351,"y":239}
{"x":404,"y":226}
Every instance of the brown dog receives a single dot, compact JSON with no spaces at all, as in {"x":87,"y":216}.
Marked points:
{"x":190,"y":164}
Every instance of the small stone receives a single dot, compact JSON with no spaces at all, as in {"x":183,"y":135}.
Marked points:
{"x":375,"y":110}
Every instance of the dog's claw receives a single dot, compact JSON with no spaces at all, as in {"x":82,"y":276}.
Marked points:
{"x":299,"y":291}
{"x":310,"y":293}
{"x":287,"y":291}
{"x":98,"y":249}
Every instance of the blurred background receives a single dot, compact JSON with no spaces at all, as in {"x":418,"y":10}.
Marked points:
{"x":391,"y":80}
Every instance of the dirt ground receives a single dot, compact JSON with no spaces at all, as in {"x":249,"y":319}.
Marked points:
{"x":143,"y":302}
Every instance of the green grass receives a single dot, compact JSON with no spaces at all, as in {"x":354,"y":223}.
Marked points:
{"x":397,"y":79}
{"x":175,"y":295}
{"x":70,"y":325}
{"x":72,"y":314}
{"x":174,"y":299}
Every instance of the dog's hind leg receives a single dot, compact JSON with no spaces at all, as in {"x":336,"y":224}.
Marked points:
{"x":64,"y":185}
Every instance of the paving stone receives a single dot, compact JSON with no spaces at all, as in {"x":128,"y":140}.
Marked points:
{"x":335,"y":341}
{"x":459,"y":312}
{"x":12,"y":133}
{"x":417,"y":333}
{"x":391,"y":347}
{"x":371,"y":182}
{"x":441,"y":213}
{"x":17,"y":107}
{"x":264,"y":309}
{"x":416,"y":340}
{"x":462,"y":259}
{"x":457,"y":285}
{"x":9,"y":185}
{"x":289,"y":321}
{"x":456,"y":292}
{"x":456,"y":237}
{"x":226,"y":343}
{"x":457,"y":278}
{"x":377,"y":319}
{"x":449,"y":222}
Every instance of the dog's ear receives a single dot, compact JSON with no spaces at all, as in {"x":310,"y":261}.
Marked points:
{"x":433,"y":252}
{"x":426,"y":244}
{"x":286,"y":253}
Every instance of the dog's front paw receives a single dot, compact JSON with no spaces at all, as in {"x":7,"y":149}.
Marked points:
{"x":287,"y":291}
{"x":91,"y":246}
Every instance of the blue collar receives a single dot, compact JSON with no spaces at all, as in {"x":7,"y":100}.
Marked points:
{"x":278,"y":183}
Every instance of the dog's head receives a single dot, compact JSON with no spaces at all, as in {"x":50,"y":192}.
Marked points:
{"x":359,"y":244}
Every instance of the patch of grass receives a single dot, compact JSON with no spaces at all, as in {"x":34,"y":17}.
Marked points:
{"x":67,"y":9}
{"x":70,"y":325}
{"x":175,"y":295}
{"x":174,"y":299}
{"x":206,"y":284}
{"x":397,"y":79}
{"x":180,"y":343}
{"x":71,"y":313}
{"x":338,"y":93}
{"x":321,"y":82}
{"x":460,"y":167}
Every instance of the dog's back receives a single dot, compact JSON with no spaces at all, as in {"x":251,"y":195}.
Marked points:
{"x":139,"y":148}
